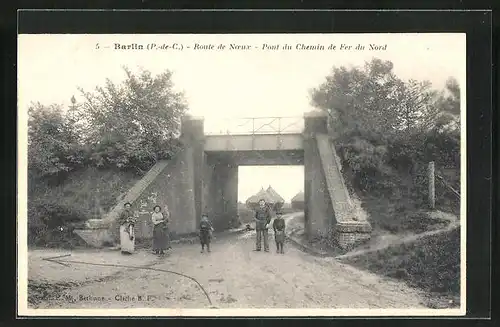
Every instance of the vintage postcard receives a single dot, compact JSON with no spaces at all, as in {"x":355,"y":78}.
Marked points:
{"x":241,"y":174}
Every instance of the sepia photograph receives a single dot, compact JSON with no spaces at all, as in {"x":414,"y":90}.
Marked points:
{"x":241,"y":174}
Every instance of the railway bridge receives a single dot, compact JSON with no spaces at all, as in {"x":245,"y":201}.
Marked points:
{"x":203,"y":177}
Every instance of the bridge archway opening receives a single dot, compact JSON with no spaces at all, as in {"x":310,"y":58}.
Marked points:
{"x":217,"y":157}
{"x":286,"y":180}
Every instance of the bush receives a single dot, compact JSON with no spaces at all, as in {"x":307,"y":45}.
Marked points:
{"x":135,"y":123}
{"x":85,"y":194}
{"x":53,"y":214}
{"x":53,"y":146}
{"x":436,"y":264}
{"x":432,"y":263}
{"x":387,"y":129}
{"x":50,"y":223}
{"x":59,"y":237}
{"x":129,"y":126}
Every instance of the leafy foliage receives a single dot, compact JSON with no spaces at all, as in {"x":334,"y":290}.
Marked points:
{"x":85,"y":194}
{"x":125,"y":126}
{"x":387,"y":129}
{"x":118,"y":128}
{"x":52,"y":142}
{"x":134,"y":124}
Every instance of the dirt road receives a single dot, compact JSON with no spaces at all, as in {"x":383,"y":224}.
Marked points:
{"x":233,"y":275}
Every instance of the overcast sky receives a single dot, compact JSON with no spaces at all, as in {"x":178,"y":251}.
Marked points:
{"x":230,"y":83}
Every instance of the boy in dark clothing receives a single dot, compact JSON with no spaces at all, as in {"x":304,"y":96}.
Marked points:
{"x":279,"y":232}
{"x":206,"y":230}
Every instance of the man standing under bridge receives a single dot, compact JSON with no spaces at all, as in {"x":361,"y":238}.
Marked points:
{"x":262,"y":220}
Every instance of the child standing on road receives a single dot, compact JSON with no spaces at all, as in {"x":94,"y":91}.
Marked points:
{"x":206,"y":230}
{"x":279,"y":232}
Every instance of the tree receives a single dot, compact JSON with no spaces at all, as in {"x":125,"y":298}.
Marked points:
{"x":364,"y":105}
{"x":448,"y":102}
{"x":452,"y":102}
{"x":382,"y":122}
{"x":75,"y":119}
{"x":135,"y":123}
{"x":360,"y":101}
{"x":415,"y":106}
{"x":52,"y":148}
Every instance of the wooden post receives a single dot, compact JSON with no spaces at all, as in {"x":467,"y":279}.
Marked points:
{"x":432,"y":189}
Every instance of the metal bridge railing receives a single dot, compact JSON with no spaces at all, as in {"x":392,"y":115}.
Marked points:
{"x":254,"y":125}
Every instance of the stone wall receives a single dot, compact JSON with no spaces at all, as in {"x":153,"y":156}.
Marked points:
{"x":347,"y":235}
{"x":319,"y":215}
{"x":220,"y":191}
{"x":174,"y":187}
{"x":329,"y":210}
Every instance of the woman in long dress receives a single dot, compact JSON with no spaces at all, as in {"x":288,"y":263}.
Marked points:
{"x":127,"y":234}
{"x":160,"y":230}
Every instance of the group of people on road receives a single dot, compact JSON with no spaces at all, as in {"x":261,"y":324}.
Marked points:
{"x":161,"y":235}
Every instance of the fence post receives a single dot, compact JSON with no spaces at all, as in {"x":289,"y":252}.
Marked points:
{"x":432,"y":189}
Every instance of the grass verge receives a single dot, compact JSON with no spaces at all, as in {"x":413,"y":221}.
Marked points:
{"x":86,"y":194}
{"x":432,"y":264}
